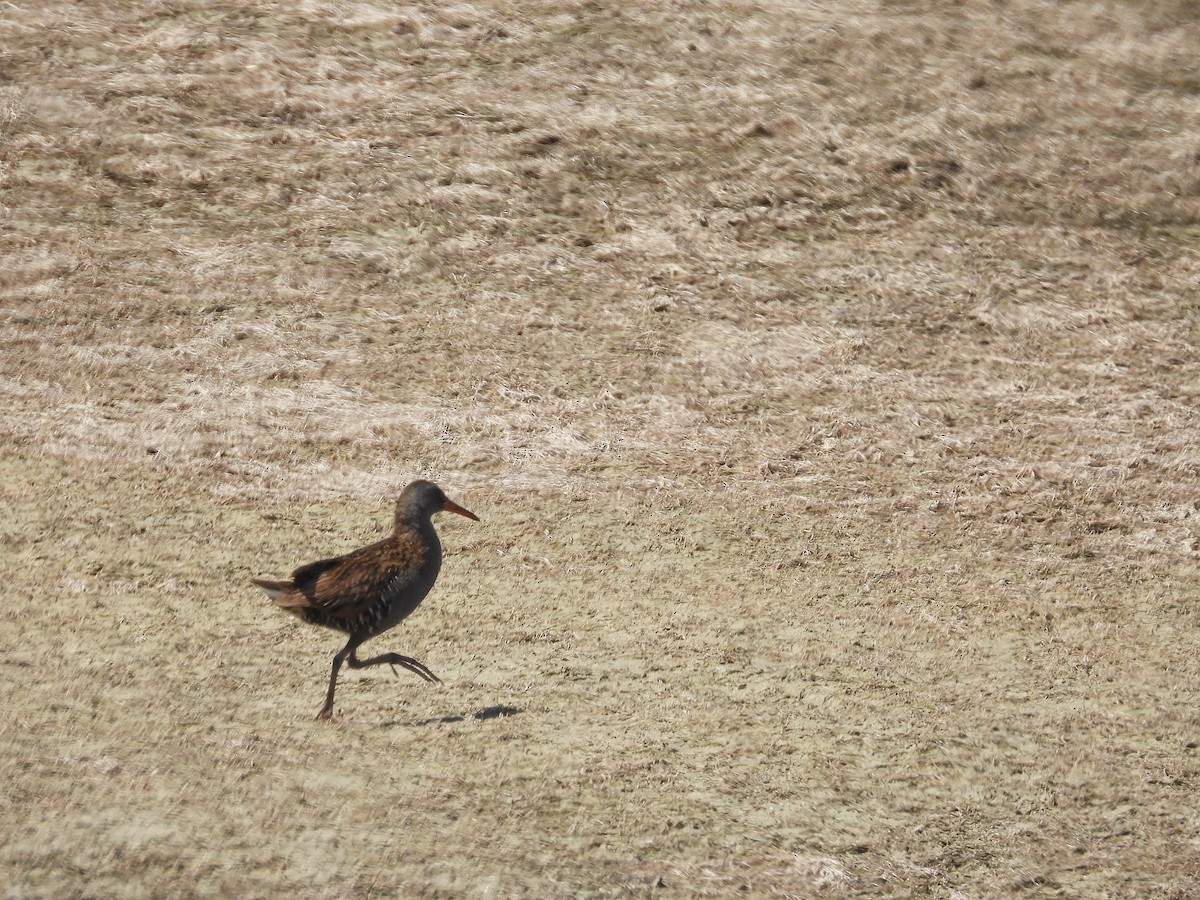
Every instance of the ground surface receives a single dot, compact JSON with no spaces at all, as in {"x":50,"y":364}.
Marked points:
{"x":825,"y":377}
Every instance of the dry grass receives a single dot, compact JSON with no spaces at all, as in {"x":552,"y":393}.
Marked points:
{"x":825,"y":376}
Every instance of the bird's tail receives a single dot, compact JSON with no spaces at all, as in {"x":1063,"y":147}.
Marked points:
{"x":276,"y":589}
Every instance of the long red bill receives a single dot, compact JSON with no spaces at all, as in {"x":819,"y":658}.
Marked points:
{"x":451,"y":506}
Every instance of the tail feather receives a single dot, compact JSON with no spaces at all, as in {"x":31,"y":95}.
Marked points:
{"x":277,"y":589}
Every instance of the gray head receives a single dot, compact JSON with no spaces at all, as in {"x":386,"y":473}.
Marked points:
{"x":421,"y":499}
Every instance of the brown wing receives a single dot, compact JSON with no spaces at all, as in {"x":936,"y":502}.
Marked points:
{"x":346,"y":586}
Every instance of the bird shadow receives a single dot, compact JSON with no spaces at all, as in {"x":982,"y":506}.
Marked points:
{"x":484,"y":715}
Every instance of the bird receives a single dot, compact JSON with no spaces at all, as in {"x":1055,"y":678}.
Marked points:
{"x":370,"y":590}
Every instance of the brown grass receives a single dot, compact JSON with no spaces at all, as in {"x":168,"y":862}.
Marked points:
{"x":825,"y":376}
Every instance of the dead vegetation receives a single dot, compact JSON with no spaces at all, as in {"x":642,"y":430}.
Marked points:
{"x":825,"y":377}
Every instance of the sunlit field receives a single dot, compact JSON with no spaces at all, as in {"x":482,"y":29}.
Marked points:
{"x":824,"y":375}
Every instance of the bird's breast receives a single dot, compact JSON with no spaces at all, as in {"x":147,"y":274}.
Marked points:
{"x":414,"y":566}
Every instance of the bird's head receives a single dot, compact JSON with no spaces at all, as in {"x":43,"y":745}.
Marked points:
{"x":421,"y":499}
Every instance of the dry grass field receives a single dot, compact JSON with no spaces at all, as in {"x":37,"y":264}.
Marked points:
{"x":825,"y":376}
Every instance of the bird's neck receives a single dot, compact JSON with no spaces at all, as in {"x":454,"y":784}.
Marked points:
{"x":422,"y":525}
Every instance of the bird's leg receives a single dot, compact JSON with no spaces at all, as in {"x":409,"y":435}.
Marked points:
{"x":347,"y":651}
{"x":393,"y":660}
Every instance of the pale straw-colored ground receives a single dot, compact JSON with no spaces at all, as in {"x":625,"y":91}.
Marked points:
{"x":825,"y":377}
